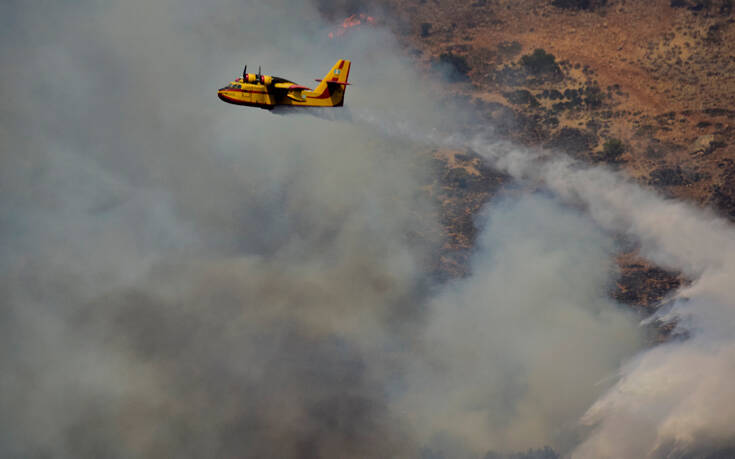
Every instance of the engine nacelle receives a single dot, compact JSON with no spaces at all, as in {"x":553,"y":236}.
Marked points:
{"x":255,"y":79}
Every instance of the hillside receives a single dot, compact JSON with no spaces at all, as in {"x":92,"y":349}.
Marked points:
{"x":646,"y":87}
{"x":654,"y":82}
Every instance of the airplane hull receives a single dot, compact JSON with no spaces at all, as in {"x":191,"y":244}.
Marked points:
{"x":236,"y":98}
{"x":234,"y":101}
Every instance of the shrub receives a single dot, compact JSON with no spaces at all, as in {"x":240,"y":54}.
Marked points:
{"x":573,"y":141}
{"x":521,"y":97}
{"x":612,"y":149}
{"x":671,"y":176}
{"x":593,"y":96}
{"x":458,"y":66}
{"x":540,"y":62}
{"x":578,"y":4}
{"x":572,"y":4}
{"x":425,"y":29}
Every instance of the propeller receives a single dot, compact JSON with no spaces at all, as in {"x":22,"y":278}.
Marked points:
{"x":245,"y":73}
{"x":260,"y":76}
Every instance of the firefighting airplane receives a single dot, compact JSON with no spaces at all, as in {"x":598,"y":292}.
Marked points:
{"x":267,"y":91}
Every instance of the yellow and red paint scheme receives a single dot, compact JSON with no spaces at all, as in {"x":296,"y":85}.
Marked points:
{"x":267,"y":91}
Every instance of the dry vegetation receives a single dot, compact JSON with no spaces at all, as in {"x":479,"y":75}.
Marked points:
{"x":657,"y":79}
{"x":645,"y":86}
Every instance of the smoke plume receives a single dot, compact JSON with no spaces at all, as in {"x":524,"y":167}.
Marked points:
{"x":184,"y":278}
{"x":672,"y":400}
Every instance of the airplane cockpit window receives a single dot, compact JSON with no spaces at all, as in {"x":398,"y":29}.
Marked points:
{"x":232,"y":86}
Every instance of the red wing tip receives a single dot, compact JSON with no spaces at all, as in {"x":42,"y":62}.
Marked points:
{"x":298,"y":86}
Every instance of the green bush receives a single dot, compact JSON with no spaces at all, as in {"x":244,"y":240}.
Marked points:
{"x":593,"y":96}
{"x":574,"y":141}
{"x":572,"y":4}
{"x":612,"y":149}
{"x":521,"y":97}
{"x":579,"y":4}
{"x":540,"y":62}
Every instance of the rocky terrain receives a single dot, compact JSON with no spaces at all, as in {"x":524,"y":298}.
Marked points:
{"x":644,"y":86}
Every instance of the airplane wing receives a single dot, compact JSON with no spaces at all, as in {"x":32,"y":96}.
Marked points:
{"x":290,"y":86}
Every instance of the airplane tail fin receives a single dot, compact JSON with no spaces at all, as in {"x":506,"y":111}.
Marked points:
{"x":334,"y":83}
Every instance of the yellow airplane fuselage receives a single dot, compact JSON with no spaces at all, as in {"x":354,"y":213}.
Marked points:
{"x":265,"y":91}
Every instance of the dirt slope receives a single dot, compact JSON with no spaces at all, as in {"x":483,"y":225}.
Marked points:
{"x":658,"y":78}
{"x":647,"y":86}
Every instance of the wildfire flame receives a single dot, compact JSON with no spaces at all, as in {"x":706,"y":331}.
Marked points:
{"x":350,"y":22}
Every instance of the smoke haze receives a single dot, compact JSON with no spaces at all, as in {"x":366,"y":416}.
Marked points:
{"x":672,"y":400}
{"x":183,"y":278}
{"x":516,"y":352}
{"x":180,"y":277}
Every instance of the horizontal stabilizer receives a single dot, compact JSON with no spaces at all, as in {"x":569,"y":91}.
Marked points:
{"x":343,"y":83}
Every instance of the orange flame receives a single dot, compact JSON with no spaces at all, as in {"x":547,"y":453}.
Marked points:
{"x":352,"y":21}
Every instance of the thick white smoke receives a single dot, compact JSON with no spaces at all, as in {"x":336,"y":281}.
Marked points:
{"x":185,"y":278}
{"x":515,"y":353}
{"x":673,"y":400}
